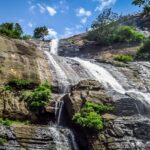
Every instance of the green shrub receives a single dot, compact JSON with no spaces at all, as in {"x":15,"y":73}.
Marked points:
{"x":19,"y":84}
{"x":6,"y":122}
{"x":144,"y":51}
{"x":6,"y":88}
{"x":90,"y":117}
{"x":9,"y":122}
{"x":98,"y":108}
{"x":11,"y":30}
{"x":124,"y":58}
{"x":146,"y":46}
{"x":3,"y":140}
{"x":128,"y":34}
{"x":39,"y":97}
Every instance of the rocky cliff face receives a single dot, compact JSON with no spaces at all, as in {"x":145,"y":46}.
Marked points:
{"x":22,"y":60}
{"x":124,"y":130}
{"x":75,"y":81}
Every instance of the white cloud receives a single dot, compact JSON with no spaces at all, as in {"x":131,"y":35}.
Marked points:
{"x":84,"y":14}
{"x":52,"y":33}
{"x":51,"y":10}
{"x":104,"y":4}
{"x":83,"y":20}
{"x":32,"y":8}
{"x":30,"y":24}
{"x":81,"y":12}
{"x":41,"y":8}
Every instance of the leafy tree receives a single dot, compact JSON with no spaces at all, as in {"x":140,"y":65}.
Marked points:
{"x":18,"y":29}
{"x":103,"y":28}
{"x":40,"y":32}
{"x":145,"y":4}
{"x":11,"y":30}
{"x":7,"y":26}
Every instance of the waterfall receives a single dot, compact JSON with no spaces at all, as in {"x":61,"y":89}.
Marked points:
{"x":104,"y":77}
{"x":62,"y":136}
{"x":60,"y":75}
{"x":54,"y":46}
{"x":59,"y":137}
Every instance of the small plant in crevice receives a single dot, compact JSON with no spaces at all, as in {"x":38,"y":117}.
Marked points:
{"x":9,"y":122}
{"x":19,"y":84}
{"x":3,"y":140}
{"x":37,"y":98}
{"x":90,"y":115}
{"x":124,"y":58}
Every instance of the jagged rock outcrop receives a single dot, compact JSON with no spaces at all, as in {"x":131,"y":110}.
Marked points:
{"x":86,"y":90}
{"x":125,"y":129}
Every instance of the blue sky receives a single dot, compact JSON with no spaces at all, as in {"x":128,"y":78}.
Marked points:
{"x":63,"y":17}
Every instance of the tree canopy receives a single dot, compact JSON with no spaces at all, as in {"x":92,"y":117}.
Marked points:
{"x":40,"y":32}
{"x":13,"y":30}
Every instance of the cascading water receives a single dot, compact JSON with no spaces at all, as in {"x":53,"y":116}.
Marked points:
{"x":104,"y":77}
{"x":63,"y":137}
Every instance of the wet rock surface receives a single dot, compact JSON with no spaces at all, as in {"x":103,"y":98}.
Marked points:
{"x":23,"y":137}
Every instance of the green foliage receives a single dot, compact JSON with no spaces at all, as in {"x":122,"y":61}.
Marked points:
{"x":40,"y":32}
{"x":146,"y":46}
{"x":124,"y":58}
{"x":9,"y":122}
{"x":3,"y":140}
{"x":6,"y":88}
{"x":6,"y":122}
{"x":98,"y":108}
{"x":144,"y":51}
{"x":19,"y":84}
{"x":103,"y":28}
{"x":128,"y":34}
{"x":90,"y":117}
{"x":108,"y":29}
{"x":11,"y":30}
{"x":38,"y":98}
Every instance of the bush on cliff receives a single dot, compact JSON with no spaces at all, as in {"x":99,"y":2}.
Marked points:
{"x":144,"y":51}
{"x":127,"y":34}
{"x":109,"y":29}
{"x":19,"y":84}
{"x":90,"y":117}
{"x":37,"y":98}
{"x":124,"y":58}
{"x":11,"y":30}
